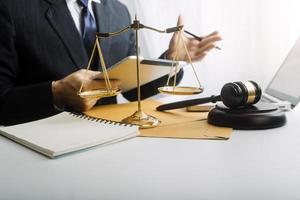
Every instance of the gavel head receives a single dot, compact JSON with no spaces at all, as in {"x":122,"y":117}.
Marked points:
{"x":240,"y":94}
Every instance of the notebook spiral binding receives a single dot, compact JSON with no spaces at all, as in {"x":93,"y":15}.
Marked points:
{"x":105,"y":121}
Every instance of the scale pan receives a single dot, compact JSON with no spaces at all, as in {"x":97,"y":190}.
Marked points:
{"x":101,"y":93}
{"x":170,"y":90}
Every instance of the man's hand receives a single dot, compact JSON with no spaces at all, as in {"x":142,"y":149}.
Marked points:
{"x":197,"y":49}
{"x":65,"y":90}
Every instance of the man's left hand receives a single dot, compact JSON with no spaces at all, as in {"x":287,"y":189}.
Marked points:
{"x":197,"y":49}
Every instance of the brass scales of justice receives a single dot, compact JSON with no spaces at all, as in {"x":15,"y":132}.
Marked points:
{"x":140,"y":118}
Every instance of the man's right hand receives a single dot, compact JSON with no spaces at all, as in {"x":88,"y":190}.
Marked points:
{"x":65,"y":91}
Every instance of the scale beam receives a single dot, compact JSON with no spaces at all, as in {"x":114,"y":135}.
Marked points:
{"x":139,"y":118}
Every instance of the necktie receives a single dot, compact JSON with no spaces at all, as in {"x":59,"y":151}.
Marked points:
{"x":89,"y":27}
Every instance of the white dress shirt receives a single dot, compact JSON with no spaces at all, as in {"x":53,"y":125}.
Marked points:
{"x":75,"y":10}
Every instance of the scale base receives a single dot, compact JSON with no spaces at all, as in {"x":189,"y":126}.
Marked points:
{"x":142,"y":120}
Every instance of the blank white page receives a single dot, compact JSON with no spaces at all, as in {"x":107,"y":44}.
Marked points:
{"x":64,"y":133}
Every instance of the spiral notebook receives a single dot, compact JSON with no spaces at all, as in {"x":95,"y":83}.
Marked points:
{"x":66,"y":132}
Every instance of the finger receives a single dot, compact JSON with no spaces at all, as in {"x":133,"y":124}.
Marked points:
{"x":92,"y":101}
{"x":93,"y":74}
{"x":194,"y":49}
{"x":180,"y":21}
{"x":101,"y":84}
{"x":198,"y":52}
{"x":115,"y":83}
{"x":199,"y":57}
{"x":213,"y":38}
{"x":193,"y":43}
{"x":89,"y":103}
{"x":213,"y":33}
{"x":88,"y":74}
{"x":94,"y":85}
{"x":207,"y":48}
{"x":209,"y":40}
{"x":202,"y":53}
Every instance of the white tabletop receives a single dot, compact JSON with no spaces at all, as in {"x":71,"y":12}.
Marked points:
{"x":251,"y":165}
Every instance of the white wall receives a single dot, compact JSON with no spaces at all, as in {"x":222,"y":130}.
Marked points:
{"x":257,"y":35}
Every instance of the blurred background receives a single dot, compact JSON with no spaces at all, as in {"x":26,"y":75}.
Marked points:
{"x":257,"y":35}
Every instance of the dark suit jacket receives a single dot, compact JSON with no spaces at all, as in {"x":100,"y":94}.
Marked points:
{"x":39,"y":43}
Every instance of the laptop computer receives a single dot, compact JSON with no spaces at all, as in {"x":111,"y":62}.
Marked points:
{"x":284,"y":88}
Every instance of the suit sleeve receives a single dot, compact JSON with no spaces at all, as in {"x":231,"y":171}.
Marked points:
{"x":149,"y":89}
{"x":18,"y":104}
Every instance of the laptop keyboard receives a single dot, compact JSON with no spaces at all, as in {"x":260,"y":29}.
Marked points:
{"x":266,"y":100}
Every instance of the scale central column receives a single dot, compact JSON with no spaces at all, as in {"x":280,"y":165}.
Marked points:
{"x":140,"y":118}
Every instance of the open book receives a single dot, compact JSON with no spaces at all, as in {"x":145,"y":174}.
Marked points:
{"x":67,"y":132}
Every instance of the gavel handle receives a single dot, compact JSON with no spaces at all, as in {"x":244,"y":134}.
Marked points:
{"x":187,"y":103}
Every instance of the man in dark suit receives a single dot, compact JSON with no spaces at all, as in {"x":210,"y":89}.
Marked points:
{"x":44,"y":47}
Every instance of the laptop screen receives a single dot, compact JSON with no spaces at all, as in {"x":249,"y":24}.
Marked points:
{"x":286,"y":83}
